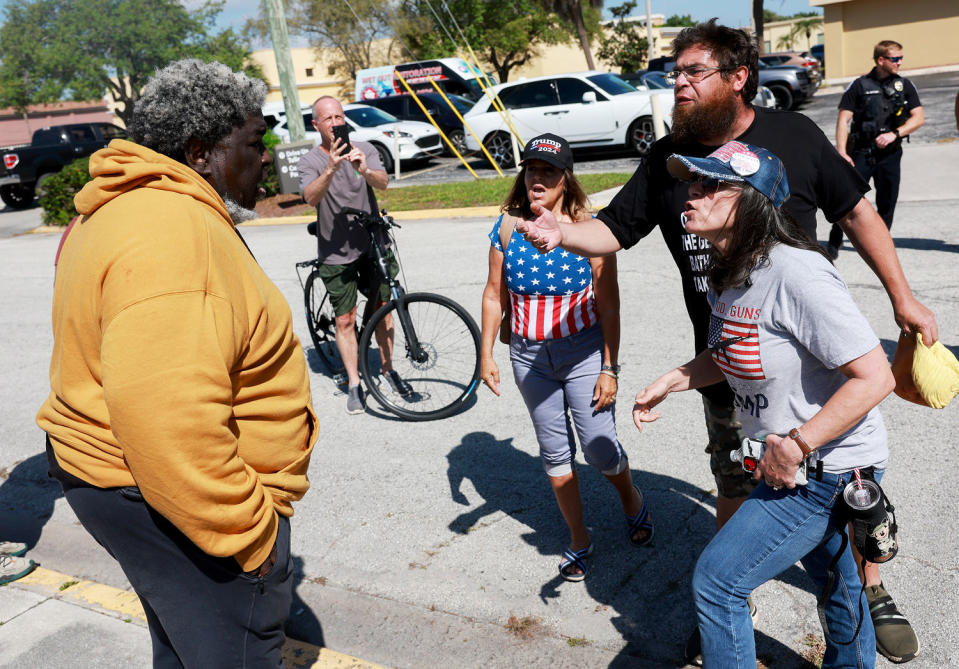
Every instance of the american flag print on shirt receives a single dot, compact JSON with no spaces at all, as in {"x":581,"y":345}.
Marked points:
{"x":551,"y":294}
{"x":735,"y":348}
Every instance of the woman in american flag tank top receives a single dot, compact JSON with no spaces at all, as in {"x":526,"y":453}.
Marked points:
{"x":564,"y":343}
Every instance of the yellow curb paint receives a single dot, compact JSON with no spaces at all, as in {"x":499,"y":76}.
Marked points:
{"x":112,"y":599}
{"x":296,"y":654}
{"x":300,"y":655}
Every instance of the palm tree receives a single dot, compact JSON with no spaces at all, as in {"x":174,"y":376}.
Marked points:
{"x":758,"y":23}
{"x":572,"y":11}
{"x":785,"y":43}
{"x":805,"y":26}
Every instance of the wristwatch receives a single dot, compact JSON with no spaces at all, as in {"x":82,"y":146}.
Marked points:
{"x":896,"y":130}
{"x":803,"y":446}
{"x":612,"y":368}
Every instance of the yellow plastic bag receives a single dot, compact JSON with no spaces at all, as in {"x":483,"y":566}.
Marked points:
{"x":926,"y":375}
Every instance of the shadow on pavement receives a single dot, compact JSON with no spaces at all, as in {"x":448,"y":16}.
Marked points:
{"x":27,"y":496}
{"x":302,"y":624}
{"x":918,"y":244}
{"x":648,"y":588}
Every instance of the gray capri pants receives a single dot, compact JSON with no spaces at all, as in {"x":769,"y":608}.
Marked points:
{"x":554,"y":375}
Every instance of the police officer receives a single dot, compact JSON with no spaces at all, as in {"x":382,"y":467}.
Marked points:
{"x":883,"y":108}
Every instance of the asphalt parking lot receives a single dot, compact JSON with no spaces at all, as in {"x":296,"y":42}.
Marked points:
{"x":937,"y":93}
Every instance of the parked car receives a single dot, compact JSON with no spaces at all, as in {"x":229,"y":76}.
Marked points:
{"x":26,"y":167}
{"x":801,"y":59}
{"x":818,"y":51}
{"x":656,"y":80}
{"x":790,"y":84}
{"x":414,"y":140}
{"x":405,"y":107}
{"x":589,"y":109}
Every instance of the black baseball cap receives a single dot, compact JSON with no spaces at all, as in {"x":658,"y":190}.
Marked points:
{"x":550,"y":148}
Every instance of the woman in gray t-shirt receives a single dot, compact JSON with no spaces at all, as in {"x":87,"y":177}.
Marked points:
{"x":807,"y":372}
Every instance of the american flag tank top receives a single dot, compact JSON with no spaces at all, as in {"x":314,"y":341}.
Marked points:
{"x":551,"y":294}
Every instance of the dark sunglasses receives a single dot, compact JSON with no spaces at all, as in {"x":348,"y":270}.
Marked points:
{"x":894,"y":59}
{"x":710,"y":184}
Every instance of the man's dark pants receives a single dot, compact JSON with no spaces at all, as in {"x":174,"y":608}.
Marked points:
{"x":885,"y":172}
{"x":202,"y":611}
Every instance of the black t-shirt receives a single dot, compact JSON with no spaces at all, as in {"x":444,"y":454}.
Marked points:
{"x":819,"y":178}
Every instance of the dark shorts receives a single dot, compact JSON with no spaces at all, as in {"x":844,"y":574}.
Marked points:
{"x":343,"y":281}
{"x":725,"y":436}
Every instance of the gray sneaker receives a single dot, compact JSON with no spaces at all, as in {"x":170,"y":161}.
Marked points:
{"x":12,"y":568}
{"x":14,"y":548}
{"x":354,"y":400}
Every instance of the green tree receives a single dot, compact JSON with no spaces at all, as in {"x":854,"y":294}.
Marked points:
{"x":84,"y":49}
{"x":333,"y":25}
{"x":584,"y":20}
{"x":504,"y":33}
{"x":625,"y":44}
{"x":685,"y":20}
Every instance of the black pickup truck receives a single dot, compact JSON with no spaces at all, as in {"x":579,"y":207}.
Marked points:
{"x":24,"y":168}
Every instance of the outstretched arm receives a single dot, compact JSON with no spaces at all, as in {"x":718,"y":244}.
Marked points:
{"x":590,"y":238}
{"x":699,"y":372}
{"x":871,"y":238}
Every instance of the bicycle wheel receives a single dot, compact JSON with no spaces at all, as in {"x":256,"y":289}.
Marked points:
{"x":322,"y":323}
{"x":445,"y":374}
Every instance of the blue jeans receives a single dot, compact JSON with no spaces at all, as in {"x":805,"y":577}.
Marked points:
{"x":768,"y":534}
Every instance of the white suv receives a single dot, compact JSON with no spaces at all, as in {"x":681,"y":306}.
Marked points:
{"x":414,"y":140}
{"x":587,"y":109}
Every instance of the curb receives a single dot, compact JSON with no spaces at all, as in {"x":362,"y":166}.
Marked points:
{"x":125,"y":605}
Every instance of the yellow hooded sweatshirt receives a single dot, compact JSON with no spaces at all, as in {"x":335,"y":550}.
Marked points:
{"x":175,"y":367}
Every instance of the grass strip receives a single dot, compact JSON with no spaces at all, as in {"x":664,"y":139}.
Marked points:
{"x":477,"y":193}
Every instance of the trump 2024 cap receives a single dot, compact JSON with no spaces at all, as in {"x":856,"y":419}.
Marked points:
{"x":550,"y":148}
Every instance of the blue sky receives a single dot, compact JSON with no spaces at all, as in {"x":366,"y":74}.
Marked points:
{"x":730,"y":12}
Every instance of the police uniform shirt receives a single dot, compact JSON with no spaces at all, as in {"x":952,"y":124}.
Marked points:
{"x":852,"y":97}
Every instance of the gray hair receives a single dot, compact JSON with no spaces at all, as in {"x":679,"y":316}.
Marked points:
{"x":192,"y":99}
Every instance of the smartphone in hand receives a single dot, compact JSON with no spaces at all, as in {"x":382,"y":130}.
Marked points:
{"x":342,"y":133}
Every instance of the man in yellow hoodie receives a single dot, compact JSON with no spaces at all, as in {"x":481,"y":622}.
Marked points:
{"x":179,"y":421}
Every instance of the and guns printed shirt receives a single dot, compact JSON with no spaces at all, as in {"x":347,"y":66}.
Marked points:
{"x":780,"y":340}
{"x":551,"y":293}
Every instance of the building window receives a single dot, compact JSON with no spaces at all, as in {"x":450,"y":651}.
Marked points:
{"x":331,"y":70}
{"x":820,"y":39}
{"x":309,"y":71}
{"x":767,"y":46}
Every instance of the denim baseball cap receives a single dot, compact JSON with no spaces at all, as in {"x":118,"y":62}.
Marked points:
{"x":550,"y":148}
{"x":736,"y":162}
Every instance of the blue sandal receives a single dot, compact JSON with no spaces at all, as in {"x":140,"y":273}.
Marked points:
{"x":638,"y":523}
{"x":576,"y":559}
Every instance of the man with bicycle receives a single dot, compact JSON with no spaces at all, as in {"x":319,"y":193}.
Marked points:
{"x":336,"y":175}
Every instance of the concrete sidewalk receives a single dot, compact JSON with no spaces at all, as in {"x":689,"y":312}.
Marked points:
{"x":436,"y":544}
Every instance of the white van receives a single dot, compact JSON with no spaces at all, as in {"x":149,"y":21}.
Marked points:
{"x":453,"y":75}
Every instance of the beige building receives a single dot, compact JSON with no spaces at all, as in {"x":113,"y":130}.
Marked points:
{"x":782,"y":35}
{"x":927,"y":30}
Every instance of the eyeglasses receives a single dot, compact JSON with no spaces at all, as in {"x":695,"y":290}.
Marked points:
{"x":712,"y":185}
{"x":692,"y":73}
{"x":894,"y":59}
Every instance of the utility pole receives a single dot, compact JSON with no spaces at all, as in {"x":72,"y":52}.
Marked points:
{"x":659,"y":127}
{"x":284,"y":67}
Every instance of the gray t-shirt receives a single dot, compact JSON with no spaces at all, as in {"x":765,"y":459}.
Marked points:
{"x":340,"y":241}
{"x":779,"y":342}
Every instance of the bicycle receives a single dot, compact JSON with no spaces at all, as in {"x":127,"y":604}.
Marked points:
{"x":436,"y":343}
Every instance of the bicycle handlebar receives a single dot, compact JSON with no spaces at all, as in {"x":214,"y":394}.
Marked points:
{"x":365,"y":218}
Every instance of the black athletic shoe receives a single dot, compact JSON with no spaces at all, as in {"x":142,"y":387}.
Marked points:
{"x":397,"y":384}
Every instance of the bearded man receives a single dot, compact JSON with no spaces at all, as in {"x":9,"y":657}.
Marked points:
{"x":716,"y":76}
